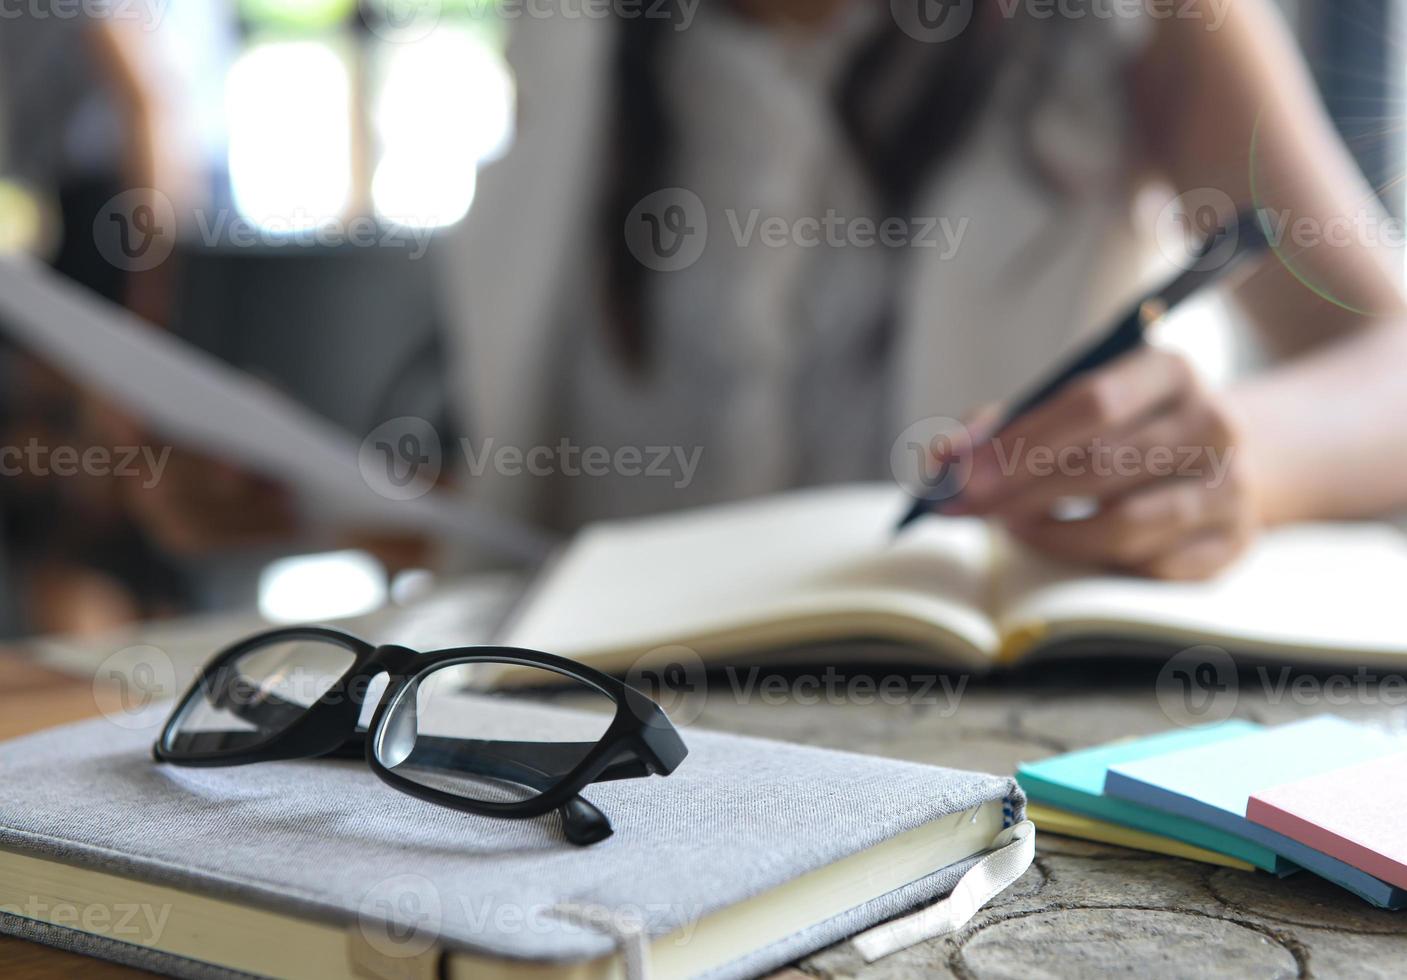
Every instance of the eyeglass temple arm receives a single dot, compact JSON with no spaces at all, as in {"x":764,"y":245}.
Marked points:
{"x":551,"y":759}
{"x":582,"y":822}
{"x":260,"y":708}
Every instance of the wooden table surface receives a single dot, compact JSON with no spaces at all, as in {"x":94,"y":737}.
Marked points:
{"x":31,"y":698}
{"x":1083,"y":909}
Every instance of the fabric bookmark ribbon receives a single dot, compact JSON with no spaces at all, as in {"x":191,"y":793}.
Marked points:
{"x":1012,"y":853}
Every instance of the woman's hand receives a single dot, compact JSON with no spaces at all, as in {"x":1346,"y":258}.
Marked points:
{"x":191,"y":504}
{"x":1155,"y":450}
{"x":198,"y":504}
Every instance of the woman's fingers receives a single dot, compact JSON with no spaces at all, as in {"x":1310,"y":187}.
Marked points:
{"x":1115,"y":399}
{"x":1150,"y":446}
{"x":200,"y":504}
{"x":962,"y":439}
{"x":981,"y":423}
{"x":1188,"y":441}
{"x":1104,"y":471}
{"x":1138,"y":531}
{"x":1198,"y":558}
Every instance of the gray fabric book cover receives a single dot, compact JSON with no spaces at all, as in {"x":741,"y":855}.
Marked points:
{"x":327,"y":840}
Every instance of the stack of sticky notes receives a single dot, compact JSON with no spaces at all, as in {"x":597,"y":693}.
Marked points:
{"x":1324,"y":795}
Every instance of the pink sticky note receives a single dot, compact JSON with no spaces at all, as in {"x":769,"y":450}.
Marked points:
{"x":1357,"y":814}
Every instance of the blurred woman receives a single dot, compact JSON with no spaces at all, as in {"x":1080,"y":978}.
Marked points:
{"x":1020,"y":143}
{"x":684,"y":251}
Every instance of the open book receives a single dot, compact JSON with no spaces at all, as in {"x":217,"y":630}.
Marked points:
{"x":821,"y":566}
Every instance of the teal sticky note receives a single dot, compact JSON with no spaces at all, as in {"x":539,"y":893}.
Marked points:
{"x":1075,"y":782}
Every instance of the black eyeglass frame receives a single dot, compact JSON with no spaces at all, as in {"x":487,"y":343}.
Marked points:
{"x":640,"y":740}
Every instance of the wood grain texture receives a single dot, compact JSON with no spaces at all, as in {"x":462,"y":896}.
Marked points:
{"x":33,"y":698}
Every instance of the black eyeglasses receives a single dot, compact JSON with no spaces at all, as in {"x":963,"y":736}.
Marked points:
{"x":451,"y":727}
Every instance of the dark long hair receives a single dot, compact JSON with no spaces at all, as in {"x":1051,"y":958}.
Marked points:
{"x":904,"y":105}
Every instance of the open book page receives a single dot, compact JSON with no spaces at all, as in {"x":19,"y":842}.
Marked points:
{"x":816,"y":566}
{"x":1320,"y":591}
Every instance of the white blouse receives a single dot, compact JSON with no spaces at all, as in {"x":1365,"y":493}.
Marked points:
{"x":763,"y":366}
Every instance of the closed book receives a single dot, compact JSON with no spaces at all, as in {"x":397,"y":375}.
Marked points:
{"x":750,"y":855}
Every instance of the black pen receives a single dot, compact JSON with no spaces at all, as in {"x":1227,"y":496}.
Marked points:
{"x":1130,"y":333}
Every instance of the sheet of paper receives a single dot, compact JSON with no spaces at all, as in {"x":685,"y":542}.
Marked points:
{"x":198,"y":402}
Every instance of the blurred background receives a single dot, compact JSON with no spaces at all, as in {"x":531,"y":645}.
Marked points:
{"x":263,"y":123}
{"x":314,"y":149}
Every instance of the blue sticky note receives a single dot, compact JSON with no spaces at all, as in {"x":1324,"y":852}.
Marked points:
{"x":1212,"y":783}
{"x":1075,"y":782}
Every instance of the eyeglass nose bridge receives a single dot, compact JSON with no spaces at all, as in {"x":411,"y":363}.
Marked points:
{"x":393,"y":658}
